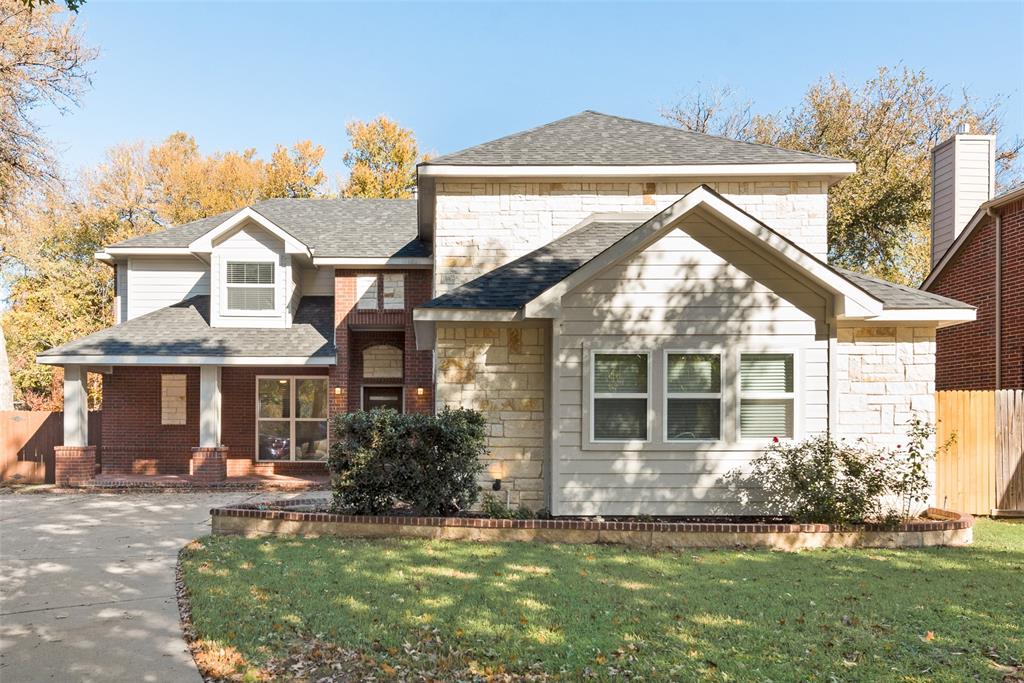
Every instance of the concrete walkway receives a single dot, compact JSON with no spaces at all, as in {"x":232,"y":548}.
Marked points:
{"x":87,"y":584}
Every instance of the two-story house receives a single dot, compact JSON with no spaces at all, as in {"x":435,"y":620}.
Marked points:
{"x":637,"y":309}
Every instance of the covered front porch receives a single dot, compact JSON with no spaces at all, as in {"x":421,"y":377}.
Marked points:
{"x":199,"y":425}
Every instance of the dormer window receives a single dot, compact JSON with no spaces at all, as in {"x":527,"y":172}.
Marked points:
{"x":250,"y":285}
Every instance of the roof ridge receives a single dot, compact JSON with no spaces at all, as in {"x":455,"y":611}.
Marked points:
{"x":682,"y":137}
{"x":503,"y":137}
{"x":710,"y":136}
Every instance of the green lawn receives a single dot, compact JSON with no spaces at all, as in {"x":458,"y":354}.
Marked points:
{"x":454,"y":610}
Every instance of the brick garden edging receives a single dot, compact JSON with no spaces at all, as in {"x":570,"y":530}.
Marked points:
{"x":279,"y":518}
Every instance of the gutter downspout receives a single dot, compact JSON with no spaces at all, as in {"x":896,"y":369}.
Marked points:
{"x":999,"y":295}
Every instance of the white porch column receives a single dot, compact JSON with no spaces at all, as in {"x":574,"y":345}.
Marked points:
{"x":209,"y":406}
{"x":76,"y":406}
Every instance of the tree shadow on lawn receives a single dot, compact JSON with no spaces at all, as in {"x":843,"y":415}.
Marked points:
{"x":927,"y":614}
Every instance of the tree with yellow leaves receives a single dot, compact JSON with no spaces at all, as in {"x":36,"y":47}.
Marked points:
{"x":879,"y":217}
{"x":58,"y":292}
{"x":383,"y":160}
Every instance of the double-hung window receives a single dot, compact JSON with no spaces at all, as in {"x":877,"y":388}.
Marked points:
{"x":250,"y":285}
{"x":766,"y":395}
{"x":291,"y":418}
{"x":621,"y":394}
{"x":693,"y":396}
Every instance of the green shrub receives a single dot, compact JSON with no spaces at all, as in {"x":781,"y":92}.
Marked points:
{"x":822,"y":481}
{"x":495,"y":509}
{"x":380,"y":458}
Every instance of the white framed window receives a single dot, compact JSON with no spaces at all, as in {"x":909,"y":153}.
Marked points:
{"x":620,"y":391}
{"x":693,"y":396}
{"x":250,"y":286}
{"x":291,"y":418}
{"x":173,"y":391}
{"x":366,"y":293}
{"x":767,"y":397}
{"x":393,"y":291}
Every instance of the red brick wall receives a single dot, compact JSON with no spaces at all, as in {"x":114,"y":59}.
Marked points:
{"x":966,"y":353}
{"x":238,"y":421}
{"x":1013,"y":295}
{"x":356,"y":330}
{"x":139,"y":444}
{"x":134,"y":441}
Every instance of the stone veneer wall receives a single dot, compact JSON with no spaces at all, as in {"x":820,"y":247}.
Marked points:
{"x":480,"y":225}
{"x":884,"y":375}
{"x":382,"y":361}
{"x":500,"y":371}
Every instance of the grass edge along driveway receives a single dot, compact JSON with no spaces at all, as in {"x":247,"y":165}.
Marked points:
{"x":430,"y":610}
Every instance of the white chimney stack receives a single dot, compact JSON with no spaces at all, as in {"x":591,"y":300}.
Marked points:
{"x":963,"y":178}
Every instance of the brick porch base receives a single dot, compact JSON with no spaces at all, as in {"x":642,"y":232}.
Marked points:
{"x":209,"y":464}
{"x":74,"y":465}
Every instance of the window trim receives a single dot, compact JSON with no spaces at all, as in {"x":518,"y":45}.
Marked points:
{"x":594,"y":395}
{"x":294,"y":417}
{"x":720,"y":395}
{"x":793,"y":396}
{"x":263,"y":312}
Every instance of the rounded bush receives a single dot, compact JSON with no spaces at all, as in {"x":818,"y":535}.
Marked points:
{"x":381,"y":458}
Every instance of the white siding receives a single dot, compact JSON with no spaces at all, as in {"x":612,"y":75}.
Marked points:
{"x":120,"y":293}
{"x":156,"y":282}
{"x":316,"y":281}
{"x":250,"y":242}
{"x":692,"y":290}
{"x":963,"y":178}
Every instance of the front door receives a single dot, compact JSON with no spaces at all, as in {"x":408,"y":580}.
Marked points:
{"x":382,"y":397}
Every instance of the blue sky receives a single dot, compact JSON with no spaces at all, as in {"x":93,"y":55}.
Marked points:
{"x":251,"y":74}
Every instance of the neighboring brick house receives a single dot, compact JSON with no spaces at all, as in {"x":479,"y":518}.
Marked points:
{"x":638,"y":311}
{"x":982,"y":263}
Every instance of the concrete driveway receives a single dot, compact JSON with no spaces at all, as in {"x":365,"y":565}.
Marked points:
{"x":87,"y":584}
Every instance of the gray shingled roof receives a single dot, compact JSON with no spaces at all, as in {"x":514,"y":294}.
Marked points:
{"x":332,"y":228}
{"x":514,"y":284}
{"x":591,"y":138}
{"x":184,"y":330}
{"x":894,"y":296}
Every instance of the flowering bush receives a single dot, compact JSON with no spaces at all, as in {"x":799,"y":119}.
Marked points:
{"x":822,"y":481}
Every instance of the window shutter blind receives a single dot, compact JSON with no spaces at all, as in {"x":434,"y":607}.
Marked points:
{"x":694,"y":373}
{"x":250,"y":298}
{"x":694,"y":418}
{"x":620,"y":418}
{"x":616,"y":373}
{"x":250,"y":273}
{"x":767,"y":372}
{"x":765,"y":418}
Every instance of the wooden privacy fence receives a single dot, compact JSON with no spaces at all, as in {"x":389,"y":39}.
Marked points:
{"x":982,"y":472}
{"x":27,"y":439}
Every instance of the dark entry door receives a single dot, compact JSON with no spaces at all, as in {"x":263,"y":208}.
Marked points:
{"x":382,"y":397}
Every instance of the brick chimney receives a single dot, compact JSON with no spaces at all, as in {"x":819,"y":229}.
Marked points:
{"x":963,"y":178}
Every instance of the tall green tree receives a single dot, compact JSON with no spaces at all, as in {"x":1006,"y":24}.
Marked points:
{"x":383,"y":160}
{"x":878,"y":220}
